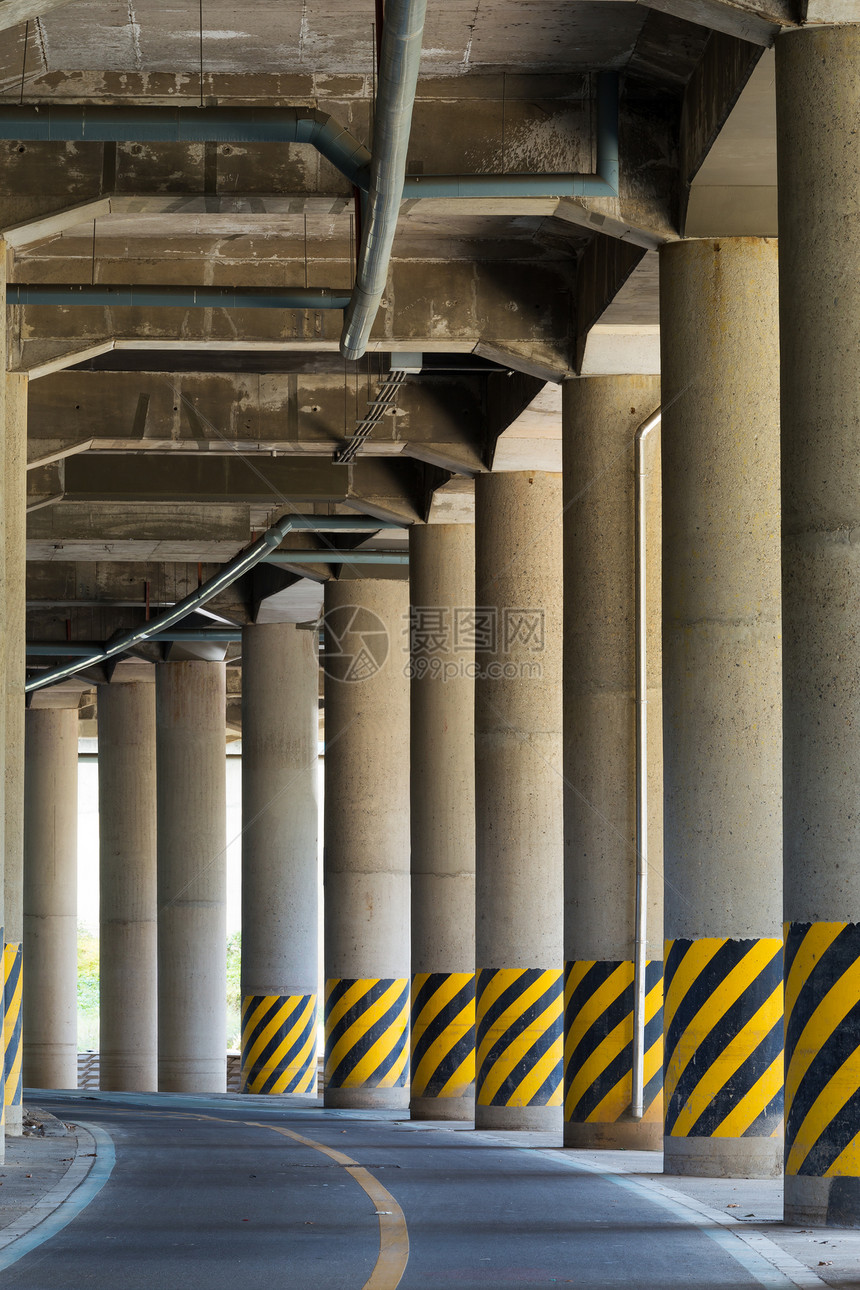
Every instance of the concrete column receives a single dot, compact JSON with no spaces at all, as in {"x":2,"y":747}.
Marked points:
{"x":818,"y":99}
{"x":280,"y":878}
{"x":8,"y":644}
{"x":722,"y":708}
{"x":15,"y":614}
{"x":367,"y":961}
{"x":50,"y":898}
{"x":192,"y":922}
{"x":128,"y":996}
{"x":518,"y":796}
{"x":442,"y":596}
{"x":600,"y":418}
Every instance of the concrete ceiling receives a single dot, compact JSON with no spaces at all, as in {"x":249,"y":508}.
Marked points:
{"x":324,"y":37}
{"x":202,"y":425}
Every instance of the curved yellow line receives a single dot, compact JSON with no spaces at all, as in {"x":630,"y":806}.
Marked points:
{"x":393,"y":1237}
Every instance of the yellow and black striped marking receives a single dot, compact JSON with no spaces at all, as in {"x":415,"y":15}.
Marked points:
{"x":519,"y":1024}
{"x":724,"y":1039}
{"x":12,"y":987}
{"x":443,"y":1034}
{"x":366,"y":1032}
{"x":822,"y":1050}
{"x":279,"y":1043}
{"x":598,"y":1041}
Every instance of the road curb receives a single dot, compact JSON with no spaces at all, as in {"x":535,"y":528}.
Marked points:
{"x":83,"y":1180}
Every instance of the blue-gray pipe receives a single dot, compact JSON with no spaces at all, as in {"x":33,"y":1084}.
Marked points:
{"x":246,"y":560}
{"x":191,"y":125}
{"x":388,"y":185}
{"x":400,"y":56}
{"x":47,"y":293}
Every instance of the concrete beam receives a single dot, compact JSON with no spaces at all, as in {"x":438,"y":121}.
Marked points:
{"x":435,"y":419}
{"x":286,"y":482}
{"x":603,"y":270}
{"x":757,"y":21}
{"x":140,"y":531}
{"x":521,"y":307}
{"x":712,"y":92}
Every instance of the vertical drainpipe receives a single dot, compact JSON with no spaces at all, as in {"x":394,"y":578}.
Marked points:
{"x":640,"y":952}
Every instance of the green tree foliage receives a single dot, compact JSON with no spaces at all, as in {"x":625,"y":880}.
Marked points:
{"x":234,"y":989}
{"x":88,"y":990}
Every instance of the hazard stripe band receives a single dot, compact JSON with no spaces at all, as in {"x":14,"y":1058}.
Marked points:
{"x":279,"y":1043}
{"x":519,"y":1037}
{"x":443,"y":1034}
{"x":822,"y":1049}
{"x":12,"y":994}
{"x":598,"y":1041}
{"x":724,"y":1038}
{"x":367,"y":1032}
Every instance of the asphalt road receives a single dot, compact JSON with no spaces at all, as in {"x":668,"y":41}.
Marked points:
{"x":220,"y":1194}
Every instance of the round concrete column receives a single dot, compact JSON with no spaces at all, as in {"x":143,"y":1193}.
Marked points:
{"x":721,"y":704}
{"x":818,"y":101}
{"x":128,"y":996}
{"x":518,"y":796}
{"x":51,"y":898}
{"x":600,"y":418}
{"x":367,"y":843}
{"x":192,"y":923}
{"x":15,"y":608}
{"x":442,"y":595}
{"x":280,"y":878}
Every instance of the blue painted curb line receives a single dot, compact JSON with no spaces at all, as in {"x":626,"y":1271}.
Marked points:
{"x":65,"y":1201}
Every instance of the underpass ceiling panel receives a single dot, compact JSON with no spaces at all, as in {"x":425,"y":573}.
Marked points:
{"x":270,"y":249}
{"x":328,"y":37}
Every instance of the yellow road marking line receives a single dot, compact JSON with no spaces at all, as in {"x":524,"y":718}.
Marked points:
{"x":393,"y":1236}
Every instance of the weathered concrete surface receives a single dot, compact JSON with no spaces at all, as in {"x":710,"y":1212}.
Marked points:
{"x":128,"y":995}
{"x":279,"y":805}
{"x":367,"y":904}
{"x":154,"y":412}
{"x":50,"y":899}
{"x":518,"y":743}
{"x":15,"y":612}
{"x":721,"y":618}
{"x":442,"y":716}
{"x":818,"y":89}
{"x":601,"y":417}
{"x":192,"y":928}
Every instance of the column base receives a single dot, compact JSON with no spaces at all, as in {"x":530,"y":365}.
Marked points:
{"x":723,"y":1157}
{"x":622,"y":1135}
{"x":14,"y":1121}
{"x":366,"y":1099}
{"x":443,"y":1108}
{"x":822,"y":1202}
{"x":192,"y":1077}
{"x":535,"y":1119}
{"x":119,"y":1077}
